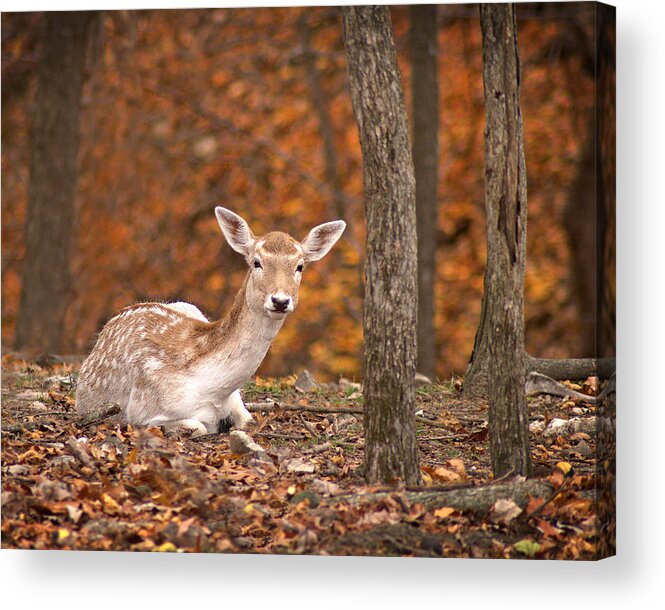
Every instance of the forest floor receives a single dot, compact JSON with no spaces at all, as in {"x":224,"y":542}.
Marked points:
{"x":66,"y":485}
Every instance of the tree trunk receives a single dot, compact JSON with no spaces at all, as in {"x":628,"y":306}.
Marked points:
{"x":45,"y":281}
{"x":425,"y":94}
{"x":390,"y":307}
{"x":499,"y":350}
{"x":320,"y":106}
{"x":606,"y":282}
{"x":580,"y":224}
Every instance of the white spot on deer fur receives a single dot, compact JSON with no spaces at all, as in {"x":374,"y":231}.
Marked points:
{"x":153,"y":365}
{"x":187,"y":309}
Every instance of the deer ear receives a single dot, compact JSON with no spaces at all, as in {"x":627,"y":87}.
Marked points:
{"x":321,"y":238}
{"x":236,"y":231}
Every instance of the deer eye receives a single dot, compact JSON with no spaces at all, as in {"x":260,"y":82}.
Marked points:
{"x":299,"y":268}
{"x":257,"y":264}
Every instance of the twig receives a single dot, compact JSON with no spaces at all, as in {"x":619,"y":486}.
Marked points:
{"x":48,"y":413}
{"x":45,"y":443}
{"x":254,"y":407}
{"x":288,"y":437}
{"x":308,"y":426}
{"x":447,"y":437}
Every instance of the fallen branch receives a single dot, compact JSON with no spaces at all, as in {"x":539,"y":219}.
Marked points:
{"x":571,"y":368}
{"x":537,"y":383}
{"x":254,"y":407}
{"x":477,"y":498}
{"x":287,"y":437}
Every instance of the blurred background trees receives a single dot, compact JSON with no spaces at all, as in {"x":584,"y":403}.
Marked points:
{"x":250,"y":108}
{"x":53,"y":177}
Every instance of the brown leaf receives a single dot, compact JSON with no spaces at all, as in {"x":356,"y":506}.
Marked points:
{"x":444,"y":512}
{"x":504,"y":511}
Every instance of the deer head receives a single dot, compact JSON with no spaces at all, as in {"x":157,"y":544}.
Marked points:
{"x":276,"y":260}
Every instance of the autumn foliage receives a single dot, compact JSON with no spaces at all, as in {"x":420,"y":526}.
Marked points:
{"x":184,"y":110}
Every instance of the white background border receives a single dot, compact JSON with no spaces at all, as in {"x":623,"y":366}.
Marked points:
{"x":634,"y":579}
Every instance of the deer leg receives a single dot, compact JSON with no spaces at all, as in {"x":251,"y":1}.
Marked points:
{"x":236,"y":408}
{"x":185,"y":425}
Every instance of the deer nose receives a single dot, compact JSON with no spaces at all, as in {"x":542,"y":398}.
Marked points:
{"x":280,"y":304}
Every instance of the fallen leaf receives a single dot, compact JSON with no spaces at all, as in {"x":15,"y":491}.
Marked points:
{"x":298,"y":465}
{"x":504,"y":511}
{"x":167,"y":547}
{"x":527,"y":547}
{"x":457,"y":465}
{"x":62,"y":534}
{"x":564,"y":467}
{"x":444,"y":512}
{"x":445,"y":475}
{"x":109,"y":505}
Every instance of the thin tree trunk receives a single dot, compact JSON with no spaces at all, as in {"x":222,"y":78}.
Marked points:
{"x":580,"y":224}
{"x":500,"y":346}
{"x":322,"y":111}
{"x":606,"y":281}
{"x":425,"y":94}
{"x":45,"y":280}
{"x":390,"y":308}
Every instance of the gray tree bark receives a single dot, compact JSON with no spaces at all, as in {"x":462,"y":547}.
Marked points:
{"x":425,"y":96}
{"x":45,"y":279}
{"x":390,"y":307}
{"x":498,"y":361}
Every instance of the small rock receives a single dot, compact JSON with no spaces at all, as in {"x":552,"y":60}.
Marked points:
{"x":241,"y":442}
{"x":29,"y":395}
{"x":18,"y":469}
{"x":560,"y":426}
{"x":58,"y":382}
{"x":566,"y":427}
{"x":536,"y":427}
{"x":305,"y":382}
{"x":583,"y":448}
{"x":37,"y":405}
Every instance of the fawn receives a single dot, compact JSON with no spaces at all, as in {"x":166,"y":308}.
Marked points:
{"x":167,"y":364}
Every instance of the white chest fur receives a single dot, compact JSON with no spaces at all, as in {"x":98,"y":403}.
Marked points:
{"x":222,"y":372}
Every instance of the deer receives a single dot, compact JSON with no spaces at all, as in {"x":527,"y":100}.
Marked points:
{"x":167,"y":364}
